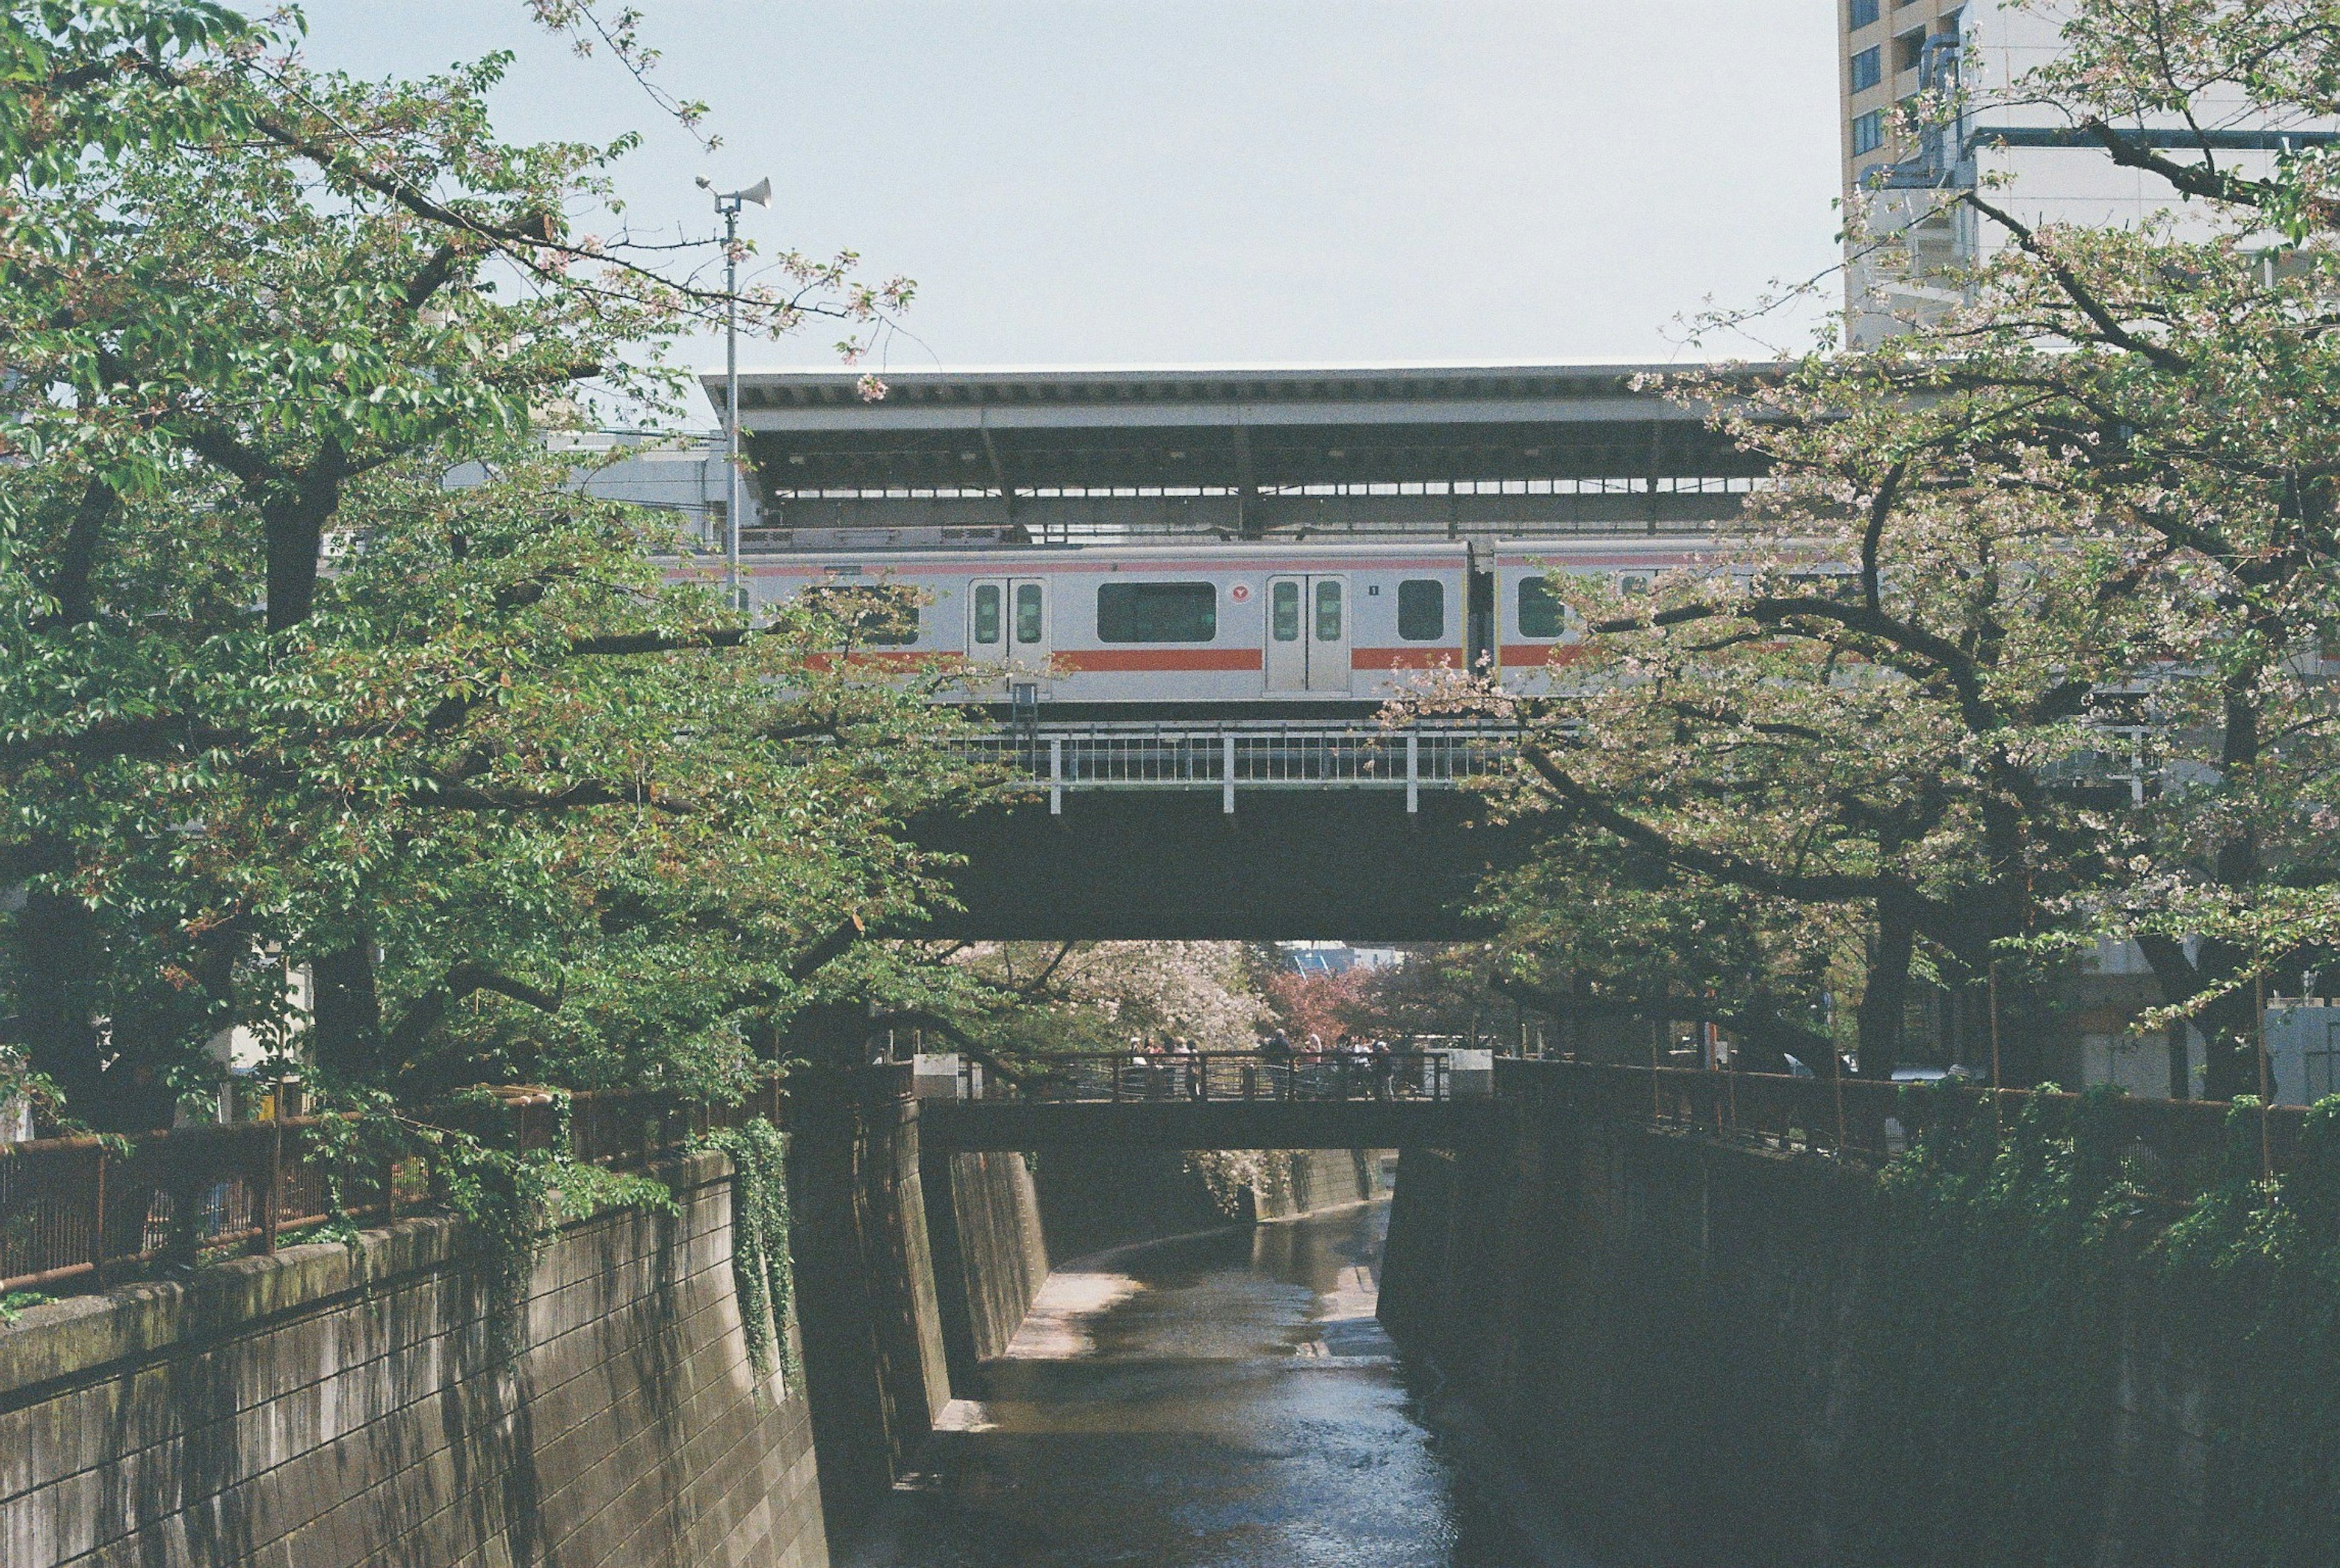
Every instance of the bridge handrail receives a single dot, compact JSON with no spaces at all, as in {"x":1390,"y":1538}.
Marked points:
{"x":2173,"y":1148}
{"x":1096,"y":1078}
{"x":83,"y":1212}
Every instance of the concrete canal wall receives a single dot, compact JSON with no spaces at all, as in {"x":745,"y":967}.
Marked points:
{"x":385,"y":1404}
{"x":1666,"y":1333}
{"x":344,"y":1406}
{"x":1314,"y":1180}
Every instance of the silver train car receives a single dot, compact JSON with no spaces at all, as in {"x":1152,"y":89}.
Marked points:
{"x":1299,"y":626}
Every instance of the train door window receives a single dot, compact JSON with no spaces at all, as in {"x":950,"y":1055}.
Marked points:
{"x":1421,"y":609}
{"x":987,"y":621}
{"x":1328,"y":609}
{"x":1284,"y":610}
{"x":1287,"y":652}
{"x":1328,"y":649}
{"x":1031,"y":615}
{"x":1541,"y":614}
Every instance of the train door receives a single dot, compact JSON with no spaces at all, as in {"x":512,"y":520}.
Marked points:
{"x":1308,"y":634}
{"x":1007,"y":619}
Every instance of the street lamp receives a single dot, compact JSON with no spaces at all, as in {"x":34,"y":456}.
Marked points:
{"x":727,"y":204}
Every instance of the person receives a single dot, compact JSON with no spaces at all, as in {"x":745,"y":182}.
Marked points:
{"x":1313,"y":1056}
{"x":1192,"y":1056}
{"x":1385,"y":1064}
{"x":1275,"y":1056}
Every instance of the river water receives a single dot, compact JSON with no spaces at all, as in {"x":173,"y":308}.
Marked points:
{"x":1218,"y":1401}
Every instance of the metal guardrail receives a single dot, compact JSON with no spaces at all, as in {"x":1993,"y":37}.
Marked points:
{"x":1217,"y":1076}
{"x":83,"y":1213}
{"x":1248,"y":754}
{"x":2173,"y":1148}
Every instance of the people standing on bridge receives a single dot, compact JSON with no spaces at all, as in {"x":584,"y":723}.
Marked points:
{"x":1385,"y":1064}
{"x":1348,"y":1063}
{"x":1191,"y":1056}
{"x":1276,"y":1055}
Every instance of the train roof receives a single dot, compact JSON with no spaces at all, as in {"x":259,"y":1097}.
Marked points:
{"x":1206,"y":554}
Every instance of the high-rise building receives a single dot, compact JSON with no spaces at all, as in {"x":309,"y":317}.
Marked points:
{"x":1903,"y":177}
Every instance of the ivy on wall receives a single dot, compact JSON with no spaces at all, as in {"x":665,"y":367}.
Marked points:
{"x":760,"y":1271}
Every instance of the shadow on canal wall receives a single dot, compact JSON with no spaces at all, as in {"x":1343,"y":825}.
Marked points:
{"x":913,"y":1267}
{"x":998,"y":1220}
{"x":1661,"y":1330}
{"x":336,"y":1405}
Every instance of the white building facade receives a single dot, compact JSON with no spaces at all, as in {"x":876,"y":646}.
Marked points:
{"x":1904,"y":177}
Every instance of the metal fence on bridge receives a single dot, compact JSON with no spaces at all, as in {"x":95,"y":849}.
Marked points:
{"x":1249,"y":754}
{"x":1217,"y":1076}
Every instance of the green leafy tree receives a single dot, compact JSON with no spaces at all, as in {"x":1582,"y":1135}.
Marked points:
{"x":2101,"y":488}
{"x":277,"y":698}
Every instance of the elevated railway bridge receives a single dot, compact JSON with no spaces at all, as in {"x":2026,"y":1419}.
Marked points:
{"x":1185,"y":594}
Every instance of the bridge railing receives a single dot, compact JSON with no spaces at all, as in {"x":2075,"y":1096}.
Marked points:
{"x":2171,"y":1148}
{"x":1218,"y":1076}
{"x":1248,"y":754}
{"x":77,"y":1213}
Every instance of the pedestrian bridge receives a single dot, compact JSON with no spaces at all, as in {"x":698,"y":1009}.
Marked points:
{"x":1227,"y":1100}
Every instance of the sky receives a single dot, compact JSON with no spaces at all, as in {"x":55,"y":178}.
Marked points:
{"x":1218,"y":182}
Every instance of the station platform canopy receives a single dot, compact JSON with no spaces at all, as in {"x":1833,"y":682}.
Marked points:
{"x":1071,"y":456}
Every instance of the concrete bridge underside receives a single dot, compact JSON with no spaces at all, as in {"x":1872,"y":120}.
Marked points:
{"x":971,"y":1127}
{"x":1167,"y":865}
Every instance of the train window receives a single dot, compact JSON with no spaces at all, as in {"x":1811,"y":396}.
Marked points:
{"x":878,"y":616}
{"x":1283,"y":611}
{"x":987,"y":612}
{"x":1541,"y":614}
{"x":1328,"y":609}
{"x":1421,"y":609}
{"x":1031,"y":621}
{"x":1632,"y":582}
{"x":1158,"y":612}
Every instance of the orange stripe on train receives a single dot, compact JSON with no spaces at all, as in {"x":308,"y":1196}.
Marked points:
{"x":1520,"y":655}
{"x":1103,"y":659}
{"x":1405,"y":658}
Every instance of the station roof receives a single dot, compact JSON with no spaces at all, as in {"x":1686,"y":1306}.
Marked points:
{"x":1223,"y":428}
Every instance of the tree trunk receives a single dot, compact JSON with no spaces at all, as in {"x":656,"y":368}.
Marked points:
{"x":295,"y":519}
{"x":1885,"y":997}
{"x":56,"y":944}
{"x":345,"y":1034}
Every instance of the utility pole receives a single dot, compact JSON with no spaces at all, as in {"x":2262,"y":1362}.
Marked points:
{"x":727,"y":204}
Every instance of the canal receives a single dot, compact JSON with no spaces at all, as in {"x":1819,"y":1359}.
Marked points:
{"x":1218,"y":1401}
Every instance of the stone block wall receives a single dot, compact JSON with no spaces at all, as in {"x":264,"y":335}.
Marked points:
{"x":1319,"y":1179}
{"x":336,"y":1405}
{"x":991,"y":1255}
{"x":1659,"y":1328}
{"x":865,"y":1278}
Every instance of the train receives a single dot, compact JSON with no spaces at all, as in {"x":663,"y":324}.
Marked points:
{"x":1293,"y":628}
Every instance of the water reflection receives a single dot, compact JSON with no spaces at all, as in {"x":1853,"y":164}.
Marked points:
{"x":1225,"y":1400}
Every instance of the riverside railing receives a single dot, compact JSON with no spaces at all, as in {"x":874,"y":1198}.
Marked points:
{"x":1215,"y":1076}
{"x":2171,"y":1148}
{"x":79,"y":1213}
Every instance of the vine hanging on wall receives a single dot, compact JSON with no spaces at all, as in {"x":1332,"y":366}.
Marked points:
{"x":760,"y":1271}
